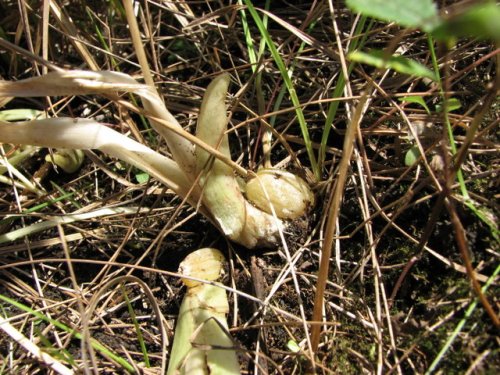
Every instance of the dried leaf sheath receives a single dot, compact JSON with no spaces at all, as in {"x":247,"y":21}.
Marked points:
{"x":88,"y":134}
{"x":80,"y":82}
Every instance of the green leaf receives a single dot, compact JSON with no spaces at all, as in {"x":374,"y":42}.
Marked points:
{"x":142,"y":178}
{"x":412,"y":156}
{"x":479,"y":21}
{"x":451,"y":105}
{"x":416,"y":99}
{"x":20,"y":114}
{"x":293,"y":346}
{"x":398,"y":63}
{"x":419,"y":14}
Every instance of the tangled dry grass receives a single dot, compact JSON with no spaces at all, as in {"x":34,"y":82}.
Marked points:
{"x":399,"y":296}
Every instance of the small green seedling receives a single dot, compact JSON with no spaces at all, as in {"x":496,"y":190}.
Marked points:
{"x":417,"y":100}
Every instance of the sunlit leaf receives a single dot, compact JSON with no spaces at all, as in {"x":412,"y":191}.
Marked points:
{"x":142,"y":178}
{"x":398,"y":63}
{"x":418,"y":14}
{"x":293,"y":346}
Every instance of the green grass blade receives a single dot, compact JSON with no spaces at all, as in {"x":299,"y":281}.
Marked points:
{"x":282,"y":92}
{"x":36,"y":208}
{"x":102,"y":40}
{"x":61,"y":354}
{"x":95,"y":344}
{"x":453,"y":145}
{"x":254,"y":59}
{"x":400,"y":64}
{"x":66,"y":195}
{"x":460,"y":177}
{"x":252,"y":56}
{"x":332,"y":112}
{"x":137,"y":327}
{"x":289,"y":84}
{"x":339,"y":88}
{"x":460,"y":325}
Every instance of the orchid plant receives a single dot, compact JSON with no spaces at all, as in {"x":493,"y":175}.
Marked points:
{"x":200,"y":169}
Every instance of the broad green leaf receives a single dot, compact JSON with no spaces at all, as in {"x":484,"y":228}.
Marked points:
{"x":419,"y":14}
{"x":480,"y":21}
{"x":416,"y":99}
{"x":398,"y":63}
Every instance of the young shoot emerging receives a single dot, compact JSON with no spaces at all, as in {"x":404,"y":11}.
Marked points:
{"x":202,"y":344}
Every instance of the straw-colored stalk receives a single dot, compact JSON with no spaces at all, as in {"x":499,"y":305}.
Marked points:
{"x":69,"y":160}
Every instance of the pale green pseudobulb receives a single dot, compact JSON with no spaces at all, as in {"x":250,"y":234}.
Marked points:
{"x":202,"y":344}
{"x":24,"y":152}
{"x":288,"y":194}
{"x":68,"y":160}
{"x":222,"y":195}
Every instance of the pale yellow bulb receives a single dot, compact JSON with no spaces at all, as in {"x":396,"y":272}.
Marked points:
{"x":289,"y":195}
{"x":206,"y":264}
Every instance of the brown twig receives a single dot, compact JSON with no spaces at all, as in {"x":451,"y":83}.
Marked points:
{"x":464,"y":253}
{"x":333,"y":212}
